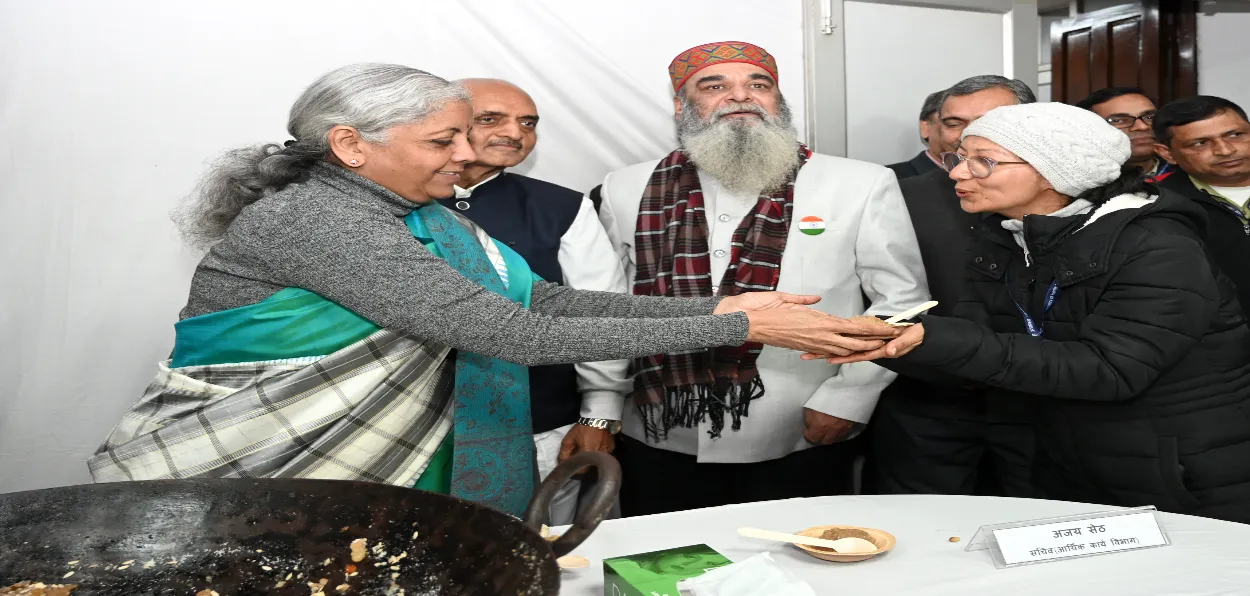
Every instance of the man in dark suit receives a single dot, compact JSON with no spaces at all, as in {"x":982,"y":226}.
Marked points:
{"x":938,"y":438}
{"x":1208,"y":138}
{"x":928,"y":160}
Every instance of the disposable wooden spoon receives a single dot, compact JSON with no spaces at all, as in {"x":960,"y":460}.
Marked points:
{"x":841,"y":545}
{"x":573,"y":562}
{"x":911,"y":312}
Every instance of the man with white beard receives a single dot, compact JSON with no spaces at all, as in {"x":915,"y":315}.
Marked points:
{"x":742,"y":206}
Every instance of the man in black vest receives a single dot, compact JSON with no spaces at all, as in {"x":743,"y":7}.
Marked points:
{"x":929,"y":160}
{"x":559,"y":234}
{"x":1208,"y":138}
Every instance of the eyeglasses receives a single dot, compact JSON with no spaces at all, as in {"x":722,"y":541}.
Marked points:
{"x":978,"y":166}
{"x":1126,"y":121}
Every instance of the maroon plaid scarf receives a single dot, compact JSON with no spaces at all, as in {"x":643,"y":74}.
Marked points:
{"x":672,"y":260}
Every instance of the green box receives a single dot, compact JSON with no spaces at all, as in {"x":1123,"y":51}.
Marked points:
{"x":657,"y":573}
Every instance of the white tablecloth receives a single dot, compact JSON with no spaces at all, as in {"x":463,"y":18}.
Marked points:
{"x":1206,"y":556}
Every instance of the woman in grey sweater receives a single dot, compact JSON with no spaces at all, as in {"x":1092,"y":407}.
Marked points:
{"x":330,"y":260}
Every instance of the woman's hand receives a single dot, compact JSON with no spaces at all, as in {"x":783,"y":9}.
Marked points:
{"x":812,"y":331}
{"x":897,"y":348}
{"x":752,"y":301}
{"x":884,"y":330}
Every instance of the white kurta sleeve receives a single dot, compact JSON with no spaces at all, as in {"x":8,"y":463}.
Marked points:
{"x":887,"y":261}
{"x":590,"y":263}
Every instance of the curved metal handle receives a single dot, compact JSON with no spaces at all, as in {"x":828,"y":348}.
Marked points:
{"x":599,"y":504}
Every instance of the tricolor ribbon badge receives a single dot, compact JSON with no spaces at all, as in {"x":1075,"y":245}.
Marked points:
{"x":812,"y":225}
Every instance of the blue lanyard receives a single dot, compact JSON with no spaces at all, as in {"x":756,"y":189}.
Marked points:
{"x":1035,"y":328}
{"x":1165,"y":168}
{"x":1231,"y":209}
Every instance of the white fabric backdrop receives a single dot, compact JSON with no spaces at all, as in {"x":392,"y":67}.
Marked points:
{"x":108,"y":111}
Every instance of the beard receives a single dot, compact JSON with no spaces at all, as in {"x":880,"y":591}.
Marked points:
{"x":745,"y":155}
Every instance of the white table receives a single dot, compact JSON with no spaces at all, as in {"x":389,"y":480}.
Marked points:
{"x":1206,"y":556}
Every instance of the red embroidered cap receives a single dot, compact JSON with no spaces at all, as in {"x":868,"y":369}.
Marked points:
{"x":699,"y":57}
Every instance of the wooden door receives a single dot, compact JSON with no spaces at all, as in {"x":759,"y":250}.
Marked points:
{"x":1150,"y":45}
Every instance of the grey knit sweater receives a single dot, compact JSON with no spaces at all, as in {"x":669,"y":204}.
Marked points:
{"x":342,"y":237}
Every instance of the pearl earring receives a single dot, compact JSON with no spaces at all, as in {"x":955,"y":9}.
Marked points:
{"x":355,"y":162}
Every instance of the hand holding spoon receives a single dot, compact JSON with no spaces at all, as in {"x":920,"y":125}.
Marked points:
{"x":911,"y":312}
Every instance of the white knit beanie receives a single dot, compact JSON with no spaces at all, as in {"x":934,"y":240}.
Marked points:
{"x":1073,"y":149}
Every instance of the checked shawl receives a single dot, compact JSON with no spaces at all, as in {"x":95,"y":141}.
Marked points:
{"x":686,"y":388}
{"x":376,"y":410}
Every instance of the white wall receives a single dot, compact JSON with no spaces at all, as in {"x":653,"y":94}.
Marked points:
{"x":1224,"y":56}
{"x":108,"y":111}
{"x":1043,"y":37}
{"x":1044,"y":81}
{"x":889,"y":75}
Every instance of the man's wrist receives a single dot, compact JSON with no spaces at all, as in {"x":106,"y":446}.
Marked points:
{"x":612,"y":426}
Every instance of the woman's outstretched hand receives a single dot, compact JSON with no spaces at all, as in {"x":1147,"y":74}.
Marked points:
{"x":811,"y":331}
{"x":784,"y":320}
{"x":898,"y":347}
{"x":752,"y":301}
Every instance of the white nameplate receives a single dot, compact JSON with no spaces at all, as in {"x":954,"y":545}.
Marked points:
{"x":1091,"y":536}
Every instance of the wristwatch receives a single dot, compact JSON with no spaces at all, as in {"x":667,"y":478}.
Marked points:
{"x":612,"y":426}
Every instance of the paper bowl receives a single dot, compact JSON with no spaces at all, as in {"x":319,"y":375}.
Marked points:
{"x":882,"y":539}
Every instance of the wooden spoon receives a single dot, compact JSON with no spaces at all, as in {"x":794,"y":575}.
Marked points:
{"x":842,"y":545}
{"x":911,"y":312}
{"x":573,"y":562}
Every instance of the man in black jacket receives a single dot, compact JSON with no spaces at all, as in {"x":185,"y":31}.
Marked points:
{"x":929,"y":160}
{"x":1208,"y":138}
{"x":937,"y":439}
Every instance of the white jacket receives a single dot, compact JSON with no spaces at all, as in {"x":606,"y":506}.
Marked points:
{"x":868,"y":243}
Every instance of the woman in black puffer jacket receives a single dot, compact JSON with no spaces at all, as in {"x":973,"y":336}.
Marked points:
{"x":1102,"y":311}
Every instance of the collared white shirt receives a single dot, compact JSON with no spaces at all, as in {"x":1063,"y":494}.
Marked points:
{"x":724,"y":211}
{"x":464,"y":193}
{"x":1237,"y":194}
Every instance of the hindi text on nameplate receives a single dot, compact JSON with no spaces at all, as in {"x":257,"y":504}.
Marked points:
{"x":1093,"y":536}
